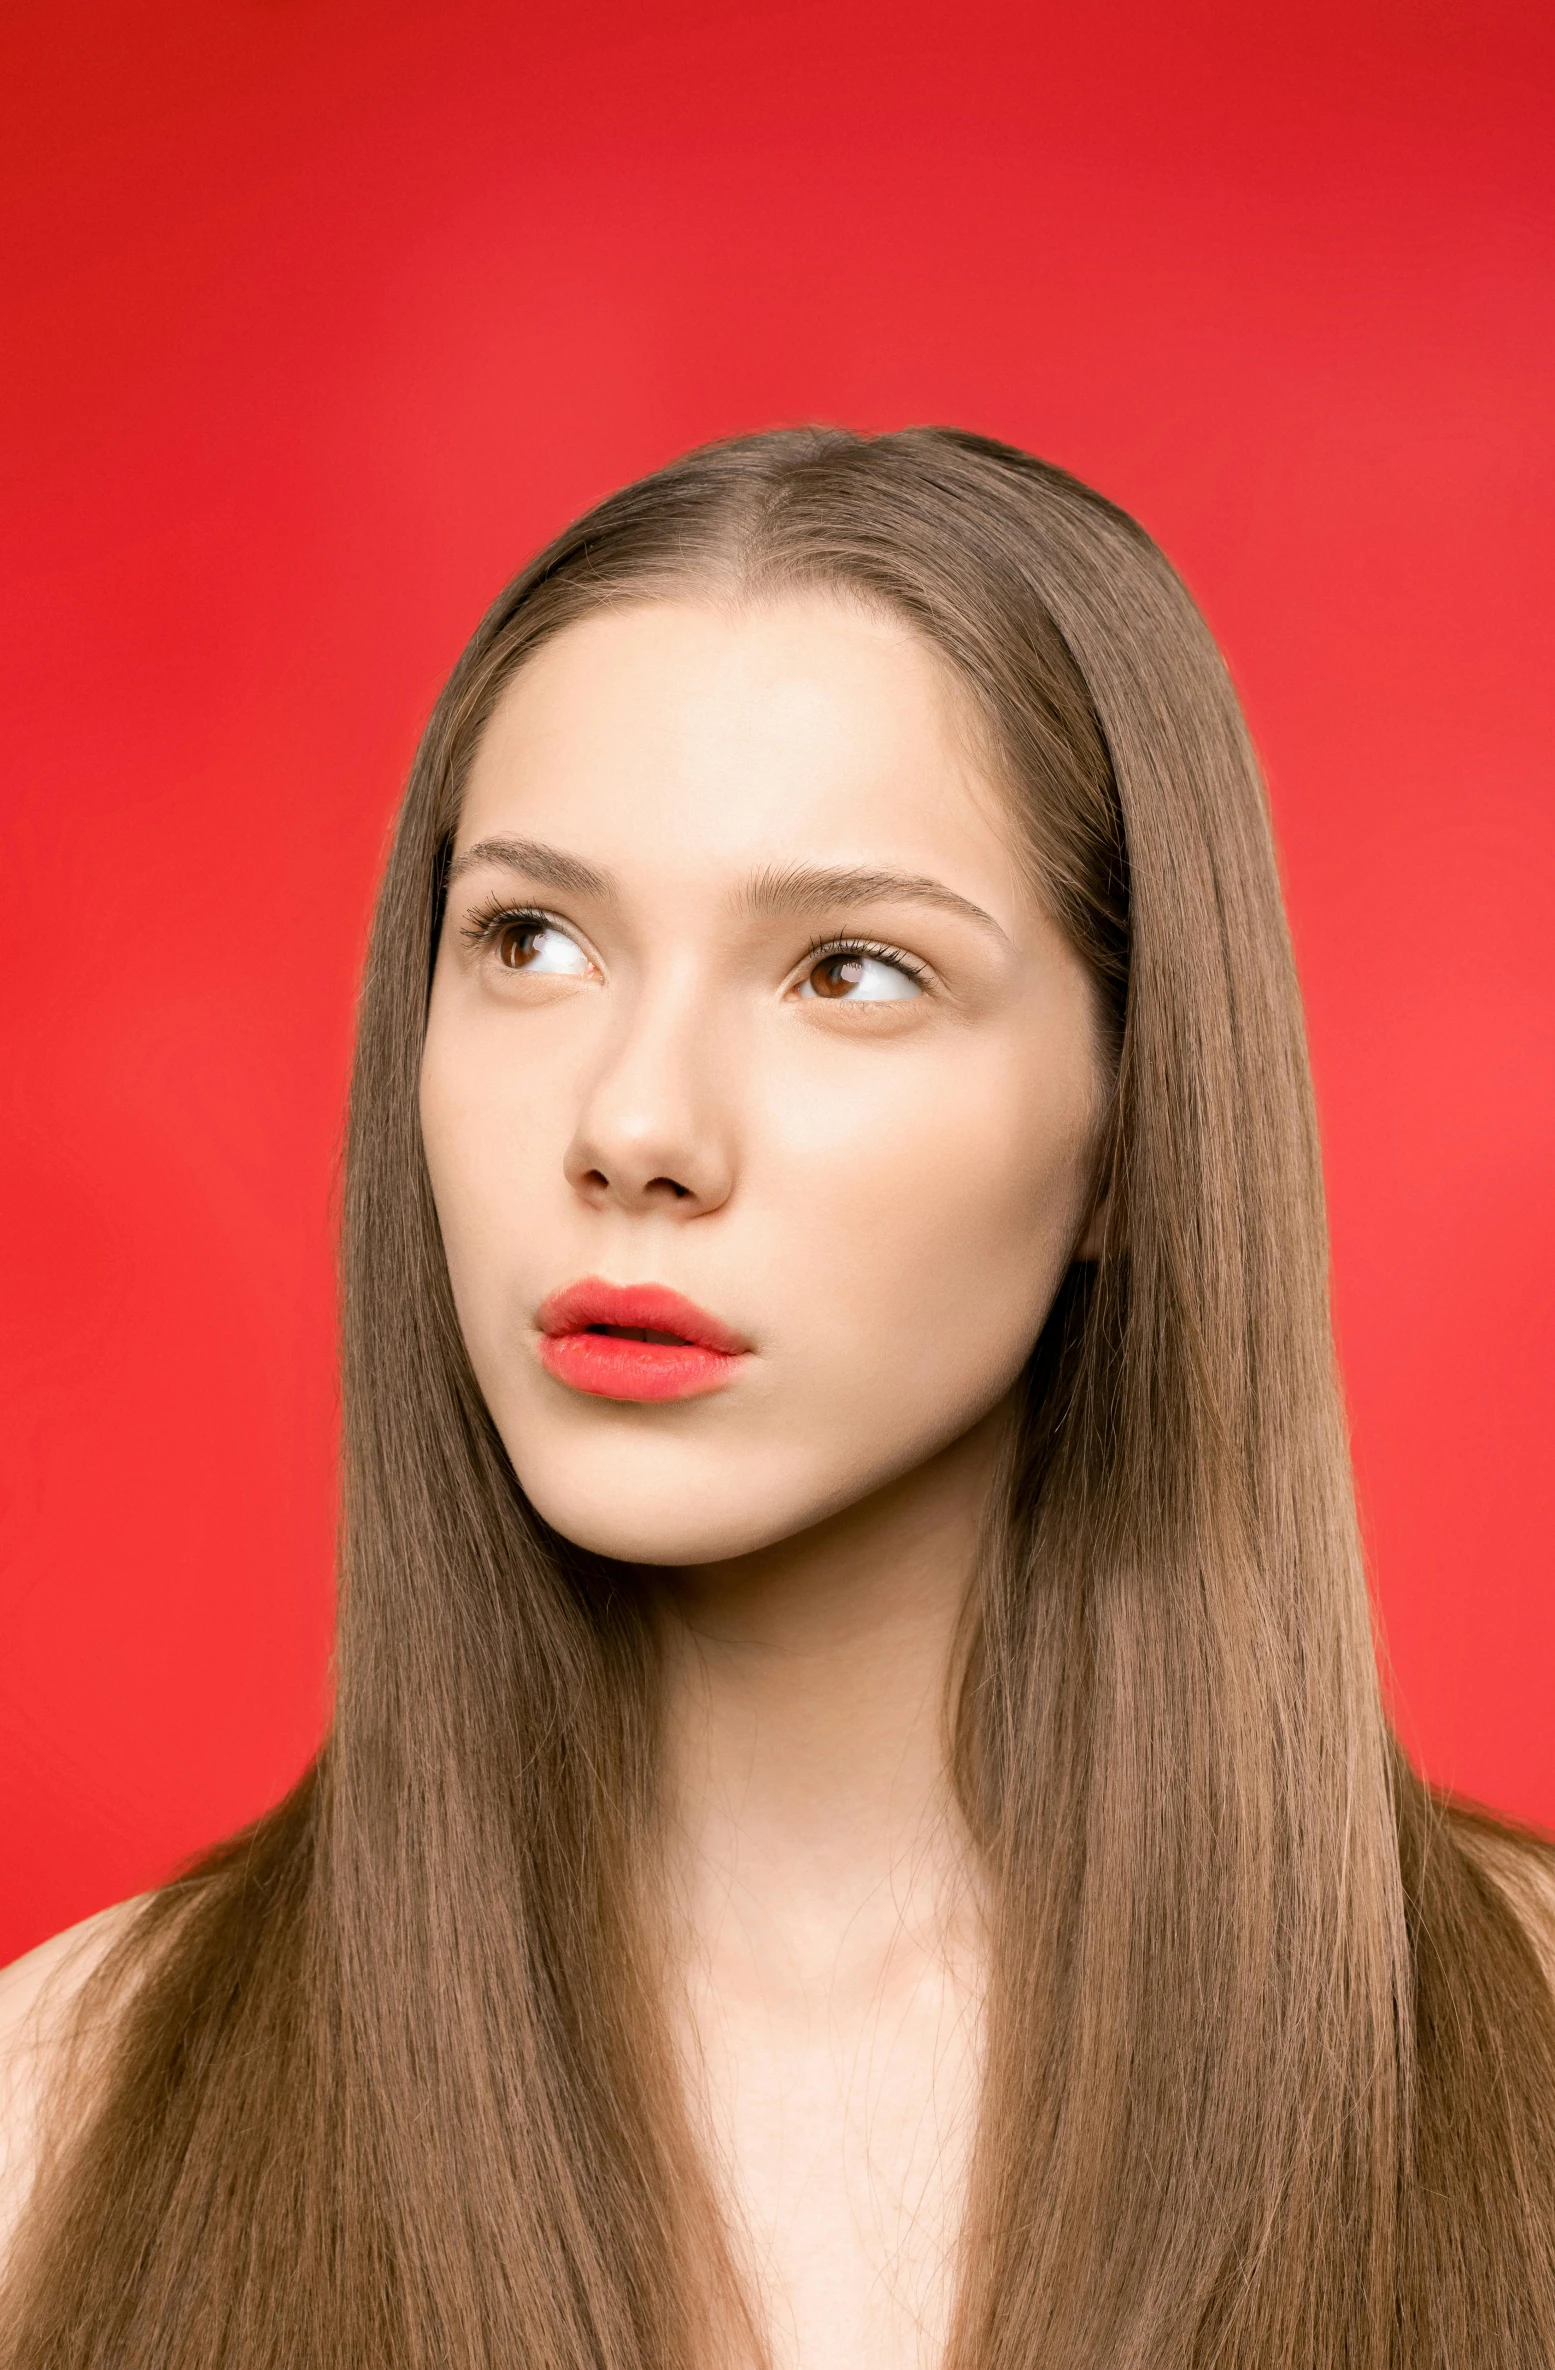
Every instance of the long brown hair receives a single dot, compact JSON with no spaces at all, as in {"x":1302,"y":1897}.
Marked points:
{"x":1270,"y":2076}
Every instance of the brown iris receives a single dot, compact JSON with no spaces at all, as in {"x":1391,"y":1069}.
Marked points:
{"x":834,"y":975}
{"x":516,"y":943}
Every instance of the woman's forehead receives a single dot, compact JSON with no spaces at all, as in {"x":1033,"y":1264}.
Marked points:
{"x":805,"y":728}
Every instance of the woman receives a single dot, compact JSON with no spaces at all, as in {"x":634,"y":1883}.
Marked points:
{"x":859,"y":1826}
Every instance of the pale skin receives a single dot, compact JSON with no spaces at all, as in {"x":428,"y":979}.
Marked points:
{"x":879,"y":1187}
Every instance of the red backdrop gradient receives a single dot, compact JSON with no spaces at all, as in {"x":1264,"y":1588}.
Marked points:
{"x":322,"y":313}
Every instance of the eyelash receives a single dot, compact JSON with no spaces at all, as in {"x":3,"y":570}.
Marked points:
{"x":482,"y":925}
{"x":486,"y":920}
{"x":875,"y":948}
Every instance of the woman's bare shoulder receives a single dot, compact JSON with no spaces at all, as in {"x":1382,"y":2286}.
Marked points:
{"x":38,"y":1995}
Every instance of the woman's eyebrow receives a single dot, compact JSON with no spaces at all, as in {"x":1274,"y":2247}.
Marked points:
{"x":553,"y":868}
{"x":776,"y":889}
{"x":805,"y":888}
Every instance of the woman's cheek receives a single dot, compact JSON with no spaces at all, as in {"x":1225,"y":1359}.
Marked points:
{"x":931,"y":1248}
{"x":494,"y":1146}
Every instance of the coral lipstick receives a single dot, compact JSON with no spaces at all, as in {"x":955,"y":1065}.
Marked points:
{"x":634,"y":1341}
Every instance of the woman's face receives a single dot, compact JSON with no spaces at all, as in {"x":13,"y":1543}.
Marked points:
{"x":743,"y":996}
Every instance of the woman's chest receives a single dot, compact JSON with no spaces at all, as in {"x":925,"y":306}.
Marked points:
{"x":840,"y":2125}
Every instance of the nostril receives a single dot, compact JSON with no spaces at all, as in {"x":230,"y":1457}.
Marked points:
{"x":681,"y":1192}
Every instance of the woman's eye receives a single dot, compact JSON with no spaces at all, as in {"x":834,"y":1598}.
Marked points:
{"x":848,"y":975}
{"x":526,"y":943}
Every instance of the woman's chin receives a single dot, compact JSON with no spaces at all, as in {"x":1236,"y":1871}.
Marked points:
{"x":640,"y":1500}
{"x":647,"y":1527}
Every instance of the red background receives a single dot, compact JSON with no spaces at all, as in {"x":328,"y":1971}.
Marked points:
{"x":322,"y":315}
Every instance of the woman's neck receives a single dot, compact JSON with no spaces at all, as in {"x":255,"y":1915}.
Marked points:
{"x":806,"y":1730}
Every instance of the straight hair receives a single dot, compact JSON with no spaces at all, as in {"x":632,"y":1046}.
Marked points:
{"x":385,"y":2083}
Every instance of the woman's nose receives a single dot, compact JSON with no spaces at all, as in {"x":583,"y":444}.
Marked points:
{"x":654,"y":1130}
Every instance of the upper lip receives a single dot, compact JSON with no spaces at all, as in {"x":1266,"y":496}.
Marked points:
{"x":653,"y":1308}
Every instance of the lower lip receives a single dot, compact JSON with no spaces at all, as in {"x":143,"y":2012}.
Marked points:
{"x":608,"y":1366}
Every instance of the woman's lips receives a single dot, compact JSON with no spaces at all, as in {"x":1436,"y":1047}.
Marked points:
{"x":634,"y":1341}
